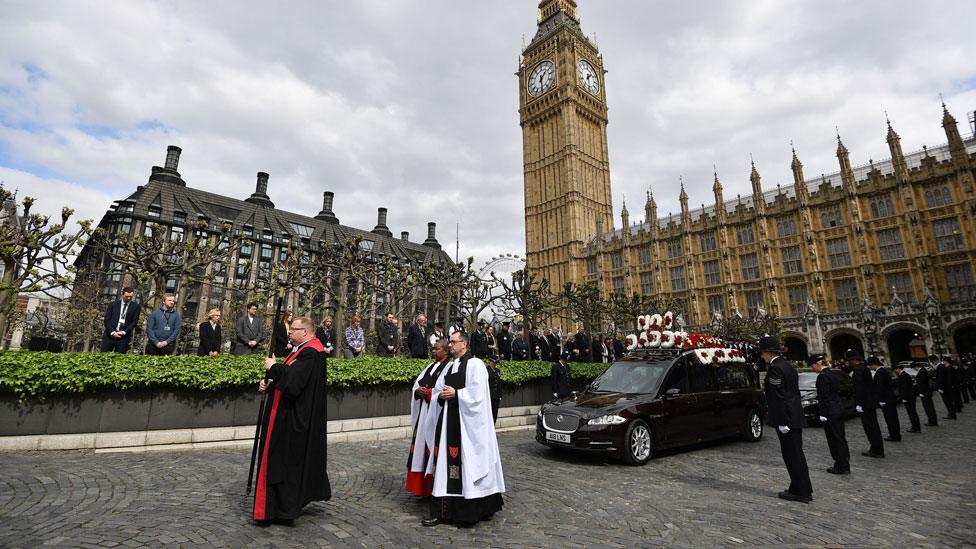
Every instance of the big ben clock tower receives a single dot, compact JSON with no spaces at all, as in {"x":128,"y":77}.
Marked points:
{"x":563,"y":114}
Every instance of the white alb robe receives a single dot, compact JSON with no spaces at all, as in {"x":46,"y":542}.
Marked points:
{"x":481,"y":472}
{"x":423,"y":415}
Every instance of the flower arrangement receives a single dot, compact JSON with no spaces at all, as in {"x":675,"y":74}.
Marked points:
{"x":658,"y":331}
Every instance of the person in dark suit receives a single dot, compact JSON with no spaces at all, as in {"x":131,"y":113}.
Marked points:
{"x":542,"y":347}
{"x":786,"y":415}
{"x":494,"y":385}
{"x":326,"y":334}
{"x":886,"y":398}
{"x":866,"y":399}
{"x":248,"y":332}
{"x":418,"y":341}
{"x":943,"y":382}
{"x":210,"y":337}
{"x":559,"y":374}
{"x":618,"y":346}
{"x":387,"y":341}
{"x":280,"y":339}
{"x":120,"y":320}
{"x":907,"y":394}
{"x":958,"y":384}
{"x":553,"y":340}
{"x":923,"y":382}
{"x":505,"y":341}
{"x":831,"y":414}
{"x":479,"y":341}
{"x":581,"y":346}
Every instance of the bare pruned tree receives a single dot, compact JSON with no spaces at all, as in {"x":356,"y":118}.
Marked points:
{"x":181,"y":258}
{"x":34,"y":252}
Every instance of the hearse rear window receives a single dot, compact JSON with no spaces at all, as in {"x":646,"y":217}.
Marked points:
{"x":631,"y":377}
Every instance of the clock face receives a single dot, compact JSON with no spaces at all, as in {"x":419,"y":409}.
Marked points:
{"x":587,"y":77}
{"x":541,"y":78}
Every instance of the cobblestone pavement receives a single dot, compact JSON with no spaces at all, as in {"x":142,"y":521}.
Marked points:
{"x":724,"y":494}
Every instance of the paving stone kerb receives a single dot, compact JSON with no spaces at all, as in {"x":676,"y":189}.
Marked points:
{"x":716,"y":495}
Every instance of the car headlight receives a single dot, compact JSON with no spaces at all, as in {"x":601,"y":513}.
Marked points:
{"x":539,"y":415}
{"x":611,"y":419}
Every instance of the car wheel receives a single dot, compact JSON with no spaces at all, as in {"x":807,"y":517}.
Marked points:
{"x":639,"y":444}
{"x":754,"y":427}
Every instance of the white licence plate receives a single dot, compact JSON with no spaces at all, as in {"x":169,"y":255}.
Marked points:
{"x":558,"y":437}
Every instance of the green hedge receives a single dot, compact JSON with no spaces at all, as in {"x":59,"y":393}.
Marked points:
{"x":40,"y":375}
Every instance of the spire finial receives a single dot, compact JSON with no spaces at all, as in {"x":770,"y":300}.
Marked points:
{"x":942,"y":99}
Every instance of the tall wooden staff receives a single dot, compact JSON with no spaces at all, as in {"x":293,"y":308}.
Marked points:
{"x":258,"y":434}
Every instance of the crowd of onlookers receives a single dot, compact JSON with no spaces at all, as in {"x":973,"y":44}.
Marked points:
{"x":251,"y":335}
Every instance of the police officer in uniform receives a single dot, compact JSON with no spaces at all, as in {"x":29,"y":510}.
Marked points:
{"x":886,"y":398}
{"x":866,"y":399}
{"x":923,"y":382}
{"x":786,"y":415}
{"x":831,"y":414}
{"x":943,"y":382}
{"x":907,"y":394}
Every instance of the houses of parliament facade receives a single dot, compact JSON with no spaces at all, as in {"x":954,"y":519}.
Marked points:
{"x":878,"y":258}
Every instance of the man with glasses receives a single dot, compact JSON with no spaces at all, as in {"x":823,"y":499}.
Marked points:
{"x":291,"y":471}
{"x":467,"y":468}
{"x":831,"y":414}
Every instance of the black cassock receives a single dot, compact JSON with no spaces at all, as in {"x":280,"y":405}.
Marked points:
{"x":293,"y":448}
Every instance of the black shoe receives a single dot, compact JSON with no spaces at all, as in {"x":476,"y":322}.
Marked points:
{"x":790,"y":496}
{"x":931,"y":424}
{"x":872,"y":455}
{"x":836,"y":471}
{"x":893,"y":439}
{"x":949,"y":417}
{"x":433,"y":521}
{"x":919,"y":430}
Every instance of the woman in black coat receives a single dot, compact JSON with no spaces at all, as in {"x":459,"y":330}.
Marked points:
{"x":282,"y":345}
{"x":210,"y":334}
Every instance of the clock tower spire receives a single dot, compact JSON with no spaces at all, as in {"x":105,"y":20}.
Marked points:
{"x":563,"y":114}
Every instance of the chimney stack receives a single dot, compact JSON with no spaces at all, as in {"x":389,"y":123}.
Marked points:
{"x":405,"y":236}
{"x":326,"y":213}
{"x":431,"y":239}
{"x":381,"y":227}
{"x":260,"y":196}
{"x":168,"y":174}
{"x":173,"y":157}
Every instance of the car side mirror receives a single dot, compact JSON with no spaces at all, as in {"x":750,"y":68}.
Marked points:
{"x":672,"y":392}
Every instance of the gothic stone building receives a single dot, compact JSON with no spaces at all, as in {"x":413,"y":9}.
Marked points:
{"x":877,"y":257}
{"x":167,"y":201}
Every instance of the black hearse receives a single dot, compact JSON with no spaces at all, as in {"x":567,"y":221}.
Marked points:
{"x":657,"y":399}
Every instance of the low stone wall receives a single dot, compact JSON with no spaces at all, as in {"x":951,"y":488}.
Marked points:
{"x":149,"y":410}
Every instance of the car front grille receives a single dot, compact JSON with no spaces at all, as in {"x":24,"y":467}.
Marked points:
{"x":560,"y":422}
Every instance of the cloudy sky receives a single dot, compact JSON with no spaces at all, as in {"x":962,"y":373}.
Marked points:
{"x":413,"y":104}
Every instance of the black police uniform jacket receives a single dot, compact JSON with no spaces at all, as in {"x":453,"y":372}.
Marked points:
{"x":923,"y":382}
{"x":906,"y":387}
{"x":479,"y":344}
{"x":828,"y":394}
{"x":883,"y":385}
{"x":943,"y":377}
{"x":865,"y":392}
{"x":783,"y":395}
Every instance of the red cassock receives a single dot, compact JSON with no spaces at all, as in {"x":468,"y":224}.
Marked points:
{"x":293,"y":449}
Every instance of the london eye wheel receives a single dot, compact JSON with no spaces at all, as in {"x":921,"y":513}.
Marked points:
{"x":501,"y":267}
